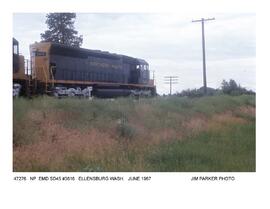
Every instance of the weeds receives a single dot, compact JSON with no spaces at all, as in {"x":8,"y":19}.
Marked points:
{"x":124,"y":129}
{"x":158,"y":134}
{"x":232,"y":149}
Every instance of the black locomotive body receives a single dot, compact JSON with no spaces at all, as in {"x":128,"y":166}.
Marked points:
{"x":97,"y":66}
{"x":107,"y":74}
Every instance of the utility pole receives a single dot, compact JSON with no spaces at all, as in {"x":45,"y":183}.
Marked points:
{"x":171,"y":80}
{"x":153,"y":77}
{"x":203,"y":49}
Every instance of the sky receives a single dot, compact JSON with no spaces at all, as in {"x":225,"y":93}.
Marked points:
{"x":169,"y":42}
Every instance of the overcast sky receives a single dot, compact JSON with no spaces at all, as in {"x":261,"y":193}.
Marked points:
{"x":169,"y":42}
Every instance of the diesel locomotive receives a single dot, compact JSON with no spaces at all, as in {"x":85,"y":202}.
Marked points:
{"x":20,"y":78}
{"x":58,"y":69}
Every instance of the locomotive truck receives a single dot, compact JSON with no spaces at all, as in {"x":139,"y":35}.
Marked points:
{"x":58,"y":69}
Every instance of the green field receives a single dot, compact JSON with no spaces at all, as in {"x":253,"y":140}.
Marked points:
{"x":163,"y":134}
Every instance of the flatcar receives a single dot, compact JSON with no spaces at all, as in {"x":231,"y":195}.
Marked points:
{"x":55,"y":67}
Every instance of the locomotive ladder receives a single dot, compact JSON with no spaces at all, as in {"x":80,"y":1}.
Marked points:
{"x":29,"y":81}
{"x":30,"y":86}
{"x":52,"y":76}
{"x":46,"y":80}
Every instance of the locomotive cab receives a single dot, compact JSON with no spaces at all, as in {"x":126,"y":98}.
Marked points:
{"x":143,"y":68}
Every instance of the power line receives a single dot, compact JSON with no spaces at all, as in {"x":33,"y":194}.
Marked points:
{"x":171,"y":80}
{"x":203,"y":49}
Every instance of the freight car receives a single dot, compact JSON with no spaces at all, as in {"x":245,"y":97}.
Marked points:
{"x":60,"y":69}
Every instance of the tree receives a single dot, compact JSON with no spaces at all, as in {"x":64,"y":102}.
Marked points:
{"x":61,"y":29}
{"x":232,"y":88}
{"x":225,"y":87}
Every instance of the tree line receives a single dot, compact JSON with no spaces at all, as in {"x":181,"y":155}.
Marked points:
{"x":227,"y":87}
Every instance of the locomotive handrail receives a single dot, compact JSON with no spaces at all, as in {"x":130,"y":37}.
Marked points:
{"x":46,"y":79}
{"x":52,"y":75}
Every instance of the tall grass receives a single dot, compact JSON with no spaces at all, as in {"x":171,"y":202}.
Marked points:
{"x":232,"y":149}
{"x":157,"y":134}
